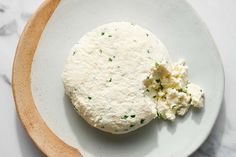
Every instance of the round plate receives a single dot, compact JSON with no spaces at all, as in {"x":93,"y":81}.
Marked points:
{"x":47,"y":113}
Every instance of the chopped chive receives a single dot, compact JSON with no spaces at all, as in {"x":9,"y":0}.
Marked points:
{"x":89,"y":97}
{"x":156,"y":64}
{"x":154,"y":96}
{"x":110,"y":80}
{"x":142,"y":121}
{"x":74,"y":53}
{"x":132,"y":125}
{"x":158,"y":80}
{"x":148,"y":51}
{"x":159,"y":116}
{"x":110,"y":59}
{"x":75,"y":109}
{"x":190,"y":101}
{"x":147,"y":34}
{"x":132,"y":116}
{"x":161,"y":87}
{"x":147,"y":90}
{"x":109,"y":35}
{"x":102,"y":33}
{"x":100,"y":50}
{"x":124,"y":117}
{"x":173,"y":106}
{"x":184,"y":90}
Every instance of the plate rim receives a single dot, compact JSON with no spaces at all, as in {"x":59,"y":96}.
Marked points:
{"x":48,"y":142}
{"x":37,"y":129}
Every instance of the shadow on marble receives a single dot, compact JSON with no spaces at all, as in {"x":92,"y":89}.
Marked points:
{"x":212,"y":144}
{"x":27,"y":147}
{"x":6,"y":79}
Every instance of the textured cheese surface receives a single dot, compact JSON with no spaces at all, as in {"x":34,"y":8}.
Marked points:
{"x":104,"y":76}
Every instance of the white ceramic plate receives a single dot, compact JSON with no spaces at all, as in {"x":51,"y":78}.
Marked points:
{"x":184,"y":34}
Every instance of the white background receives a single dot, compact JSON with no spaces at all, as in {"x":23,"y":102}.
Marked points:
{"x":220,"y":17}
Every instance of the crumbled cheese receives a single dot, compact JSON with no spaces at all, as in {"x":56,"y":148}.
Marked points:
{"x":173,"y":93}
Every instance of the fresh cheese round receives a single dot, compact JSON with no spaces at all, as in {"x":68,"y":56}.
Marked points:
{"x":104,"y":76}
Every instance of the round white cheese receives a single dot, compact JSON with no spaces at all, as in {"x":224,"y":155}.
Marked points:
{"x":104,"y":76}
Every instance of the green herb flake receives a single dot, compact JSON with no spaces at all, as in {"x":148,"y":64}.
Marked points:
{"x":159,"y":116}
{"x":148,"y":51}
{"x":154,"y":96}
{"x":74,"y":53}
{"x":110,"y":59}
{"x":173,"y":107}
{"x":110,"y":80}
{"x":132,"y":116}
{"x":190,"y":101}
{"x":161,"y":87}
{"x":89,"y":97}
{"x":147,"y":34}
{"x":100,"y":50}
{"x":142,"y":121}
{"x":147,"y":90}
{"x":184,"y":90}
{"x":124,"y":117}
{"x":132,"y":125}
{"x":109,"y":35}
{"x":102,"y":33}
{"x":158,"y":80}
{"x":156,"y":64}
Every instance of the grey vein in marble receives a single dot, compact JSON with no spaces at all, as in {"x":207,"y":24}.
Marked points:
{"x":2,"y":8}
{"x":9,"y":28}
{"x":6,"y":79}
{"x":25,"y":16}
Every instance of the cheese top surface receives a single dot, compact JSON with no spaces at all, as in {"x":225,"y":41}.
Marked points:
{"x":104,"y":76}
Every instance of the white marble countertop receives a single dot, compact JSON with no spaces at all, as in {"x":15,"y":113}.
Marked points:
{"x":220,"y":17}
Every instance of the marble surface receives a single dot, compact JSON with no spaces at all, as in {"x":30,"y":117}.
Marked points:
{"x":220,"y":18}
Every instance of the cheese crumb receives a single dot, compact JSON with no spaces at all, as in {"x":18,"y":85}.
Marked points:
{"x":170,"y":88}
